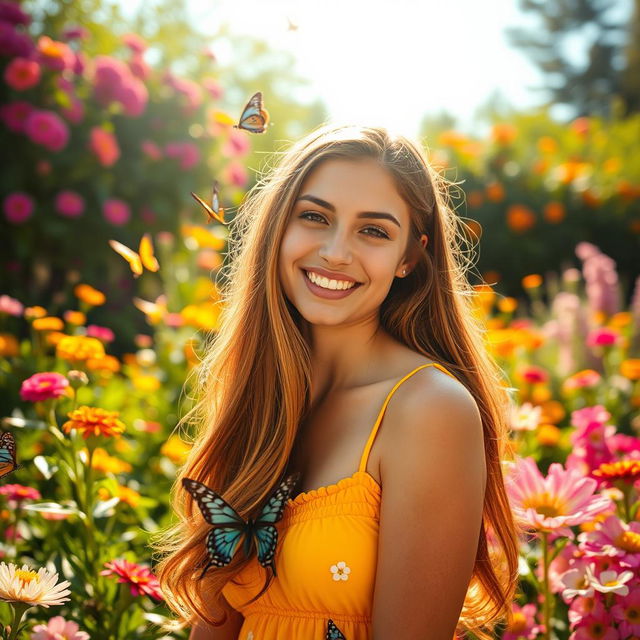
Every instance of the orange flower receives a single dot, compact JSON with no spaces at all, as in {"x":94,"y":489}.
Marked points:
{"x":106,"y":463}
{"x":620,"y":319}
{"x":627,"y":471}
{"x":451,"y":138}
{"x":123,"y":492}
{"x":79,"y":348}
{"x":93,"y":421}
{"x":548,"y":435}
{"x":9,"y":347}
{"x":54,"y":337}
{"x":630,"y":368}
{"x":540,"y":166}
{"x":591,"y":198}
{"x":546,"y":144}
{"x":580,"y":126}
{"x":520,"y":218}
{"x":507,"y":304}
{"x":553,"y":212}
{"x":627,"y":190}
{"x":175,"y":449}
{"x":89,"y":295}
{"x":104,"y":363}
{"x":495,"y":192}
{"x":48,"y":323}
{"x":75,"y":317}
{"x":475,"y":199}
{"x":612,"y":165}
{"x":552,"y":412}
{"x":503,"y":133}
{"x":30,"y":313}
{"x":474,"y":228}
{"x":532,"y":281}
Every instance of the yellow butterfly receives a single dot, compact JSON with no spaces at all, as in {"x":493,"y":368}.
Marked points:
{"x":292,"y":26}
{"x":154,"y":311}
{"x":254,"y":118}
{"x":215,"y":211}
{"x":145,"y":257}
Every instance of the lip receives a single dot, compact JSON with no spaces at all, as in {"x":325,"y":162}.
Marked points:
{"x":332,"y":275}
{"x":329,"y":294}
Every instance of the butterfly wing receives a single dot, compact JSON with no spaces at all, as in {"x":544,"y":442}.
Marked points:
{"x":135,"y":263}
{"x":255,"y":117}
{"x":147,"y":256}
{"x":7,"y":454}
{"x":215,"y":212}
{"x":333,"y":633}
{"x":215,"y":509}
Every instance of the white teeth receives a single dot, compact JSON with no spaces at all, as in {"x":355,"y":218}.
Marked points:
{"x":325,"y":283}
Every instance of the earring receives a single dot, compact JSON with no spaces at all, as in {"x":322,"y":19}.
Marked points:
{"x":404,"y":271}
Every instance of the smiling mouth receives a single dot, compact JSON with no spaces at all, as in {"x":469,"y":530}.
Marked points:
{"x":355,"y":285}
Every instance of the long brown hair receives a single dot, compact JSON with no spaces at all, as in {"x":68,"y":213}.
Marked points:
{"x":252,"y":385}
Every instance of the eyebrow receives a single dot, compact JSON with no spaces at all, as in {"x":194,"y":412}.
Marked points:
{"x":363,"y":214}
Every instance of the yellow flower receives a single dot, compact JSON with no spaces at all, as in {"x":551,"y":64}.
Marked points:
{"x":146,"y":383}
{"x":175,"y":449}
{"x":546,"y":144}
{"x":89,"y":295}
{"x":48,"y":323}
{"x":548,"y":435}
{"x":9,"y":346}
{"x":106,"y":463}
{"x":93,"y":421}
{"x":104,"y":364}
{"x":53,"y":337}
{"x":507,"y":304}
{"x":630,"y":368}
{"x":35,"y":589}
{"x":123,"y":492}
{"x":620,"y":319}
{"x":79,"y":348}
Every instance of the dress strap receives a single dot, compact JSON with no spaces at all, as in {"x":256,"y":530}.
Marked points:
{"x":374,"y":431}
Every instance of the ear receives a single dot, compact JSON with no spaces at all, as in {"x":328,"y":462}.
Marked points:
{"x":408,"y":265}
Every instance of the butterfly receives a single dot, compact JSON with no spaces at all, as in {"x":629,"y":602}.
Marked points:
{"x":8,"y":462}
{"x":292,"y":26}
{"x":229,"y":527}
{"x":333,"y":633}
{"x":215,"y":211}
{"x":254,"y":118}
{"x":145,"y":257}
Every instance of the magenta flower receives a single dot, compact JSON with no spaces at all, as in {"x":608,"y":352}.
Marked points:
{"x":75,"y":32}
{"x":14,"y":115}
{"x":69,"y":204}
{"x":104,"y":334}
{"x":134,"y":42}
{"x":56,"y":628}
{"x":187,"y":153}
{"x":116,"y":211}
{"x":14,"y":43}
{"x":18,"y":207}
{"x":55,"y":55}
{"x":563,"y":499}
{"x":139,"y":578}
{"x":43,"y":386}
{"x":114,"y":82}
{"x":12,"y":13}
{"x":139,"y":67}
{"x":21,"y":74}
{"x":600,"y":627}
{"x":627,"y":614}
{"x":133,"y":96}
{"x":151,"y":149}
{"x":237,"y":145}
{"x":603,"y":337}
{"x":48,"y":129}
{"x":236,"y":174}
{"x":104,"y":145}
{"x":614,"y":539}
{"x":11,"y":306}
{"x":18,"y":492}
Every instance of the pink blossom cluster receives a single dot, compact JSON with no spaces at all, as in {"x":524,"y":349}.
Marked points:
{"x":48,"y":385}
{"x":56,"y":628}
{"x":11,"y":306}
{"x":594,"y":442}
{"x":187,"y":154}
{"x":114,"y":82}
{"x":104,"y":334}
{"x":190,"y":91}
{"x":601,"y":278}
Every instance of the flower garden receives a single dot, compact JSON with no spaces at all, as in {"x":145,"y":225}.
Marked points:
{"x":93,"y":360}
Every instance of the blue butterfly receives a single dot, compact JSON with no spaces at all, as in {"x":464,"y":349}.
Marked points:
{"x":333,"y":633}
{"x":254,"y":118}
{"x":8,"y":462}
{"x":229,"y":527}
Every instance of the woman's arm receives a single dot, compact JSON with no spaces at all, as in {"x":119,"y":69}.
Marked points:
{"x":228,"y":631}
{"x":431,"y":513}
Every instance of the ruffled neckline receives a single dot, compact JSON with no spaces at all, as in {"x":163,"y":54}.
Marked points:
{"x":357,"y":478}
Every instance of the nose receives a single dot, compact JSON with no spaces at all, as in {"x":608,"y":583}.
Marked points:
{"x":335,"y":249}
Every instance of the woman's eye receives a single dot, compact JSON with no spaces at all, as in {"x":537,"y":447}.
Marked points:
{"x":379,"y":233}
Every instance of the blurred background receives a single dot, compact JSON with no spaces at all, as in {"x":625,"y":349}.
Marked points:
{"x":113,"y":112}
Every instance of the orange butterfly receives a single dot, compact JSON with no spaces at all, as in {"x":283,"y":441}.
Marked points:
{"x":215,"y":211}
{"x":292,"y":26}
{"x":254,"y":118}
{"x":8,"y":463}
{"x":136,"y":261}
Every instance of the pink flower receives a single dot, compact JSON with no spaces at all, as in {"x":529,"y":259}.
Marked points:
{"x":603,"y":337}
{"x":187,"y":152}
{"x":114,"y":82}
{"x":187,"y":88}
{"x":43,"y":386}
{"x":139,"y":67}
{"x":18,"y":207}
{"x":151,"y":149}
{"x":75,"y":32}
{"x":237,"y":145}
{"x":133,"y":96}
{"x":139,"y":578}
{"x":74,"y":113}
{"x":134,"y":42}
{"x":57,"y":628}
{"x":104,"y":145}
{"x":213,"y":87}
{"x":21,"y":74}
{"x":14,"y":115}
{"x":12,"y":13}
{"x":600,"y":627}
{"x":116,"y":211}
{"x":48,"y":129}
{"x":104,"y":334}
{"x":14,"y":43}
{"x":11,"y":306}
{"x":69,"y":204}
{"x":585,"y":379}
{"x":555,"y":503}
{"x":626,"y":614}
{"x":148,"y":215}
{"x":236,"y":174}
{"x":613,"y":538}
{"x":534,"y":375}
{"x":18,"y":492}
{"x":524,"y":623}
{"x":55,"y":55}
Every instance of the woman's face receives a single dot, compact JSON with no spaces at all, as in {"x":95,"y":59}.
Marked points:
{"x":330,"y":230}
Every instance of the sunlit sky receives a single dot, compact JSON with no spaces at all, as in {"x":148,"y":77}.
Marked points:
{"x":391,"y":62}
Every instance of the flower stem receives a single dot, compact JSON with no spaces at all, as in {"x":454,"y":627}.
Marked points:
{"x":19,"y":609}
{"x":547,"y":591}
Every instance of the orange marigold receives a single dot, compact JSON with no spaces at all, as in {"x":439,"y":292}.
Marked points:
{"x":48,"y":323}
{"x":520,"y":218}
{"x":34,"y":312}
{"x":75,"y":317}
{"x":630,"y":368}
{"x":625,"y":470}
{"x":88,"y":294}
{"x":79,"y":348}
{"x":8,"y":345}
{"x":93,"y":421}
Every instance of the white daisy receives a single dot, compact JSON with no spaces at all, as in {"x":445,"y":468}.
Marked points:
{"x":609,"y":581}
{"x":35,"y":589}
{"x":340,"y":571}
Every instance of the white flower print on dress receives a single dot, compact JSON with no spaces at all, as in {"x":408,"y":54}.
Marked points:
{"x":250,"y":635}
{"x":340,"y":571}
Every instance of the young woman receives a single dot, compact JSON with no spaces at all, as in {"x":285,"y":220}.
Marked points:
{"x":348,"y":351}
